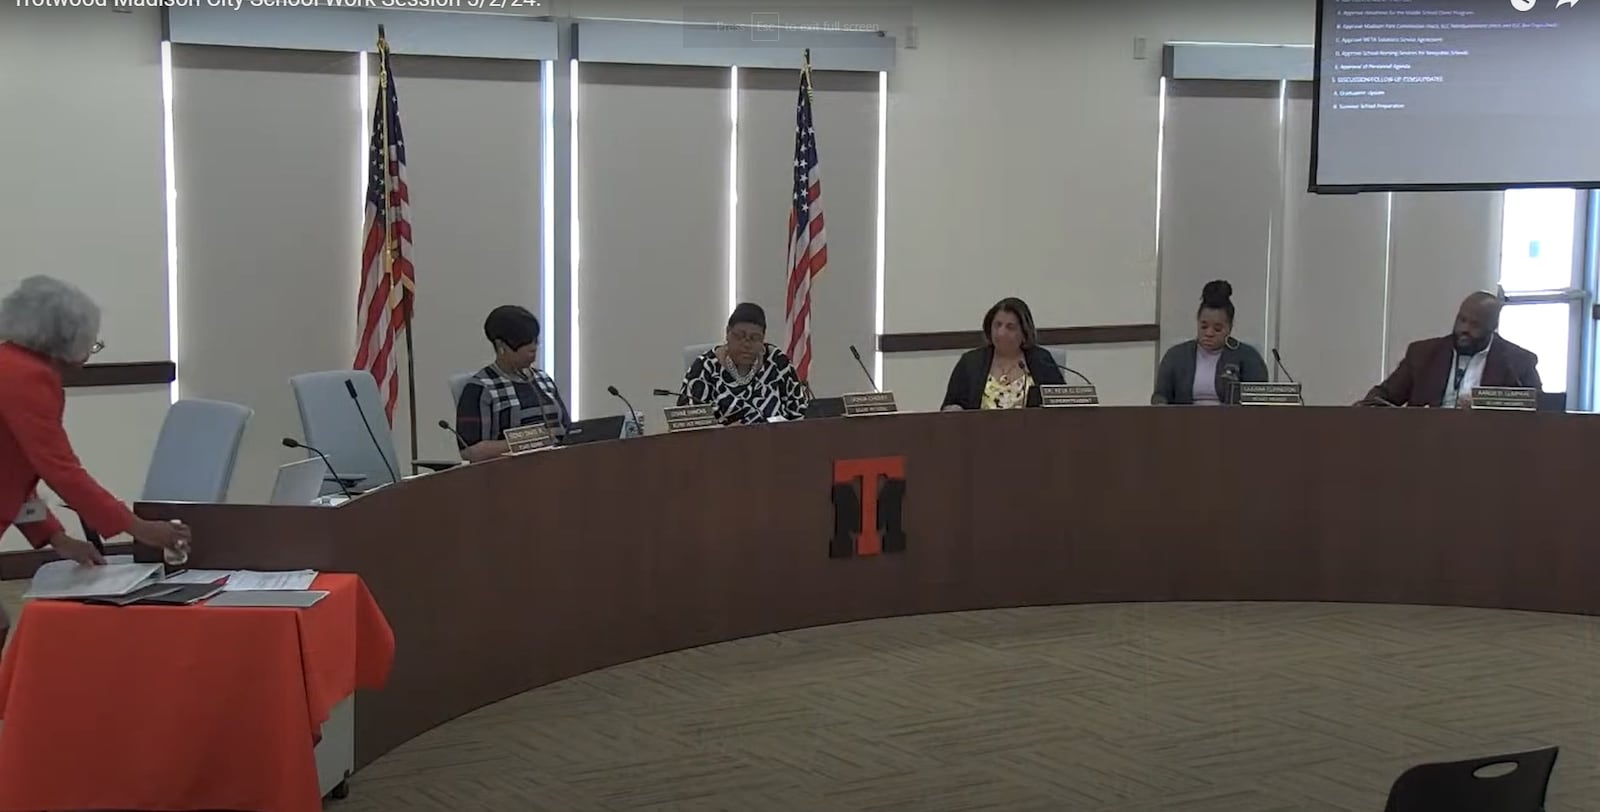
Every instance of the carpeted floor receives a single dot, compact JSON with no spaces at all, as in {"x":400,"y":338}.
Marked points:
{"x":1225,"y":707}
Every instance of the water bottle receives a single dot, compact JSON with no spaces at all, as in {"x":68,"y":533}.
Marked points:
{"x":177,"y":555}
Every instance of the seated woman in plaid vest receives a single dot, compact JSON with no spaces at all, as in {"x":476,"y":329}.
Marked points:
{"x":747,"y":379}
{"x":510,"y":392}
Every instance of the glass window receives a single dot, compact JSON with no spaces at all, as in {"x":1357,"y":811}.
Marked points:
{"x":1537,"y":239}
{"x":1543,"y":329}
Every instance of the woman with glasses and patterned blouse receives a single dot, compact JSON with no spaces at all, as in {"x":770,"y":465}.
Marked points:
{"x":1006,"y":372}
{"x":747,"y":379}
{"x":48,"y":327}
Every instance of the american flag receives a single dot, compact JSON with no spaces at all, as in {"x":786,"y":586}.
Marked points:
{"x":388,"y":280}
{"x":808,"y":241}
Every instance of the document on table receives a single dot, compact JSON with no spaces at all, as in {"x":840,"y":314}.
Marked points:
{"x":248,"y":580}
{"x":286,"y":581}
{"x":299,"y":599}
{"x":197,"y":576}
{"x":66,"y":579}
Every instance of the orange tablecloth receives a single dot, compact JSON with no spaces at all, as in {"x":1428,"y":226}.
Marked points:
{"x":181,"y":708}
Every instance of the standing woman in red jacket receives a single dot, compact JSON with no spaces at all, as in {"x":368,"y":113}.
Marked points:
{"x":48,"y":326}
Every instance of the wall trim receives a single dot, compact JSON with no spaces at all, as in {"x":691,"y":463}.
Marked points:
{"x":131,"y":373}
{"x":1048,"y":336}
{"x":352,"y":30}
{"x":1236,"y":61}
{"x":723,"y":45}
{"x":20,"y":565}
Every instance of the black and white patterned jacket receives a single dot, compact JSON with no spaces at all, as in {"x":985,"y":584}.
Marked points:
{"x":775,"y":391}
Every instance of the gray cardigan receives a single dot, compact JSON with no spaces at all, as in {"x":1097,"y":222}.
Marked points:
{"x":1175,"y":378}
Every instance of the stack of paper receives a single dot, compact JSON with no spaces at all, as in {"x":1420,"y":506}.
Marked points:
{"x":68,"y":579}
{"x":252,"y":581}
{"x":249,"y":580}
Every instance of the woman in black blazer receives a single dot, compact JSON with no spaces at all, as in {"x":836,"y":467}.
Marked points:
{"x":1006,"y":372}
{"x":1207,"y":369}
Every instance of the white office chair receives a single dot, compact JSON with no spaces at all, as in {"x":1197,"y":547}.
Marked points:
{"x":692,"y":352}
{"x":195,"y":454}
{"x":332,"y":422}
{"x":458,"y":383}
{"x":1059,"y":354}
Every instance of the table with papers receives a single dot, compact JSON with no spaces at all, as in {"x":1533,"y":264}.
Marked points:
{"x":126,"y":584}
{"x":184,"y":707}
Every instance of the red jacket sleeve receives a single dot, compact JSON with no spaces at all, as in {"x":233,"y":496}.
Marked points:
{"x":34,"y":413}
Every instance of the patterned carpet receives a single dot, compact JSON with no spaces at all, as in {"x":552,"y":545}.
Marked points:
{"x":1225,"y":707}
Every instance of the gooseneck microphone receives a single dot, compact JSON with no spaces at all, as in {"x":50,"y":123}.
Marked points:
{"x":1278,"y":359}
{"x":290,"y":442}
{"x":350,"y":386}
{"x":461,"y":444}
{"x":664,"y":393}
{"x":633,"y":414}
{"x":856,"y":354}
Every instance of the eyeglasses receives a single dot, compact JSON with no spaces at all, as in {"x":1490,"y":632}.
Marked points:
{"x":742,"y":337}
{"x":96,"y":347}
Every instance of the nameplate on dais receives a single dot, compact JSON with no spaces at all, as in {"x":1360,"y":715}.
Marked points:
{"x":1505,"y":398}
{"x":1270,"y":394}
{"x":858,"y":404}
{"x":689,"y":418}
{"x":529,"y":438}
{"x":1053,"y":395}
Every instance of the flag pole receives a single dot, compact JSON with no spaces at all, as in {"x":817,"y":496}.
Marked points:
{"x":806,"y":71}
{"x":389,"y":244}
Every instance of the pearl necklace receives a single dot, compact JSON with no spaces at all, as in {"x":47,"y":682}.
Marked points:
{"x":740,"y":379}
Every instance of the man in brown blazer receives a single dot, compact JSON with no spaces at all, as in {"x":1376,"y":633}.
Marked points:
{"x":1443,"y":371}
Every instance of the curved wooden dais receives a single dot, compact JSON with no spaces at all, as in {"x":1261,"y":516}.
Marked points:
{"x":504,"y":576}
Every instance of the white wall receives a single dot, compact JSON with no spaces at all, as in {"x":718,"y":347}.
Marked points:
{"x":646,"y":295}
{"x":267,"y":233}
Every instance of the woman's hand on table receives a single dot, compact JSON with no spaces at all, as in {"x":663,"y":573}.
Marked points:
{"x":76,"y":550}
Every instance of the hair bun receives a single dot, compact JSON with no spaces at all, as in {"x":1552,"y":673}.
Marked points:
{"x":1216,"y":292}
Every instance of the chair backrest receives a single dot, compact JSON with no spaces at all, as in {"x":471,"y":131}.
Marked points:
{"x":458,"y":383}
{"x":1059,"y":354}
{"x":332,"y":423}
{"x":195,"y":452}
{"x":1457,"y":787}
{"x":692,"y":352}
